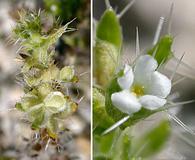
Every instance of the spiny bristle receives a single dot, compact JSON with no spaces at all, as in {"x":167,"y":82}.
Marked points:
{"x":183,"y":125}
{"x":128,"y":6}
{"x":170,"y":19}
{"x":47,"y":145}
{"x":177,"y":66}
{"x":178,"y":81}
{"x":19,"y":49}
{"x":186,"y":66}
{"x":185,"y":139}
{"x":84,"y":73}
{"x":108,"y":5}
{"x":173,"y":104}
{"x":117,"y":124}
{"x":137,"y":47}
{"x":158,"y":30}
{"x":79,"y":101}
{"x":154,"y":52}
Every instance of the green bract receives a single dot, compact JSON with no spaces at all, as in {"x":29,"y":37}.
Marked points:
{"x":107,"y":48}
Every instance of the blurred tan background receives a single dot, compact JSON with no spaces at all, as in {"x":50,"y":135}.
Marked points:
{"x":15,"y":133}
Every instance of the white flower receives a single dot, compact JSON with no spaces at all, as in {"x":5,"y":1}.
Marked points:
{"x":142,"y":86}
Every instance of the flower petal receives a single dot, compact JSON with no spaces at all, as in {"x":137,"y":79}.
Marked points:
{"x":125,"y":102}
{"x":144,"y":67}
{"x":160,"y":85}
{"x":126,"y":80}
{"x":152,"y":102}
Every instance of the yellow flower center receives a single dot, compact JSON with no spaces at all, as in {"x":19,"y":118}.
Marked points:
{"x":138,"y":90}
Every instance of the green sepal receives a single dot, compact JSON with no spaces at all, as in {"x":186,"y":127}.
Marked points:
{"x":71,"y":107}
{"x":20,"y":107}
{"x":40,"y":76}
{"x":101,"y":120}
{"x":105,"y":61}
{"x":103,"y":145}
{"x":67,"y":73}
{"x":52,"y":127}
{"x":30,"y":99}
{"x":44,"y":89}
{"x":38,"y":118}
{"x":162,"y":49}
{"x":54,"y":102}
{"x":34,"y":111}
